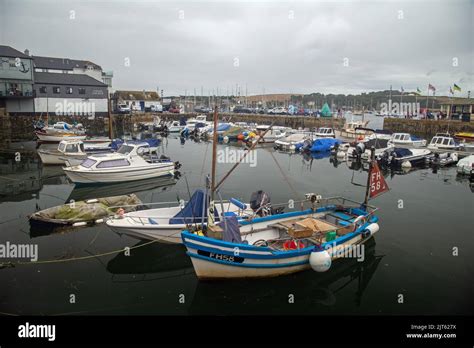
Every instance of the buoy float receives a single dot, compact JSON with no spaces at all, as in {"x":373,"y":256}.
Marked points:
{"x":371,"y":230}
{"x":320,"y":260}
{"x":360,"y":137}
{"x":291,"y":245}
{"x":240,"y":137}
{"x":406,"y":164}
{"x":226,"y":139}
{"x":341,"y":154}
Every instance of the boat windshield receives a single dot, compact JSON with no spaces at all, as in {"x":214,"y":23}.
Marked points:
{"x":87,"y":163}
{"x":62,"y":146}
{"x":125,"y":149}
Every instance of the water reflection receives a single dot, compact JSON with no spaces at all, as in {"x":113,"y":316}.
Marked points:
{"x":313,"y":292}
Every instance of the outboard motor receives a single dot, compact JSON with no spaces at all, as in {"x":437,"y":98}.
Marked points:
{"x":259,"y":202}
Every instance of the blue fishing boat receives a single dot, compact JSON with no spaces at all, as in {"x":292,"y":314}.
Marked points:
{"x":271,"y":243}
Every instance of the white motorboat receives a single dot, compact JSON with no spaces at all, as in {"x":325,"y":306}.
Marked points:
{"x":350,"y":130}
{"x":131,"y":162}
{"x":269,"y":136}
{"x":58,"y":136}
{"x":166,"y":224}
{"x":199,"y":120}
{"x":401,"y":157}
{"x":175,"y":127}
{"x":362,"y":149}
{"x":291,"y":142}
{"x":70,"y":151}
{"x":324,"y":132}
{"x":406,"y":140}
{"x":466,"y":165}
{"x":443,"y":141}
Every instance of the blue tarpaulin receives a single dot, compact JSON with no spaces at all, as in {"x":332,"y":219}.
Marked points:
{"x":324,"y":144}
{"x":193,"y":210}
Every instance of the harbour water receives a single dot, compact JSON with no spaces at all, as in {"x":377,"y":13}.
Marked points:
{"x":424,"y":217}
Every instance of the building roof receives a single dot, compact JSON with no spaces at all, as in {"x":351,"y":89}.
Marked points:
{"x":7,"y":51}
{"x":66,"y":79}
{"x":136,"y":95}
{"x":454,"y":101}
{"x":62,"y":63}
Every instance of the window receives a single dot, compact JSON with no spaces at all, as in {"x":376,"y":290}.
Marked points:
{"x":113,"y":163}
{"x":72,"y":148}
{"x":12,"y":63}
{"x":87,"y":163}
{"x":56,"y":90}
{"x":82,"y":91}
{"x":43,"y":89}
{"x":125,"y":149}
{"x":446,"y":142}
{"x":68,"y":90}
{"x":61,"y":147}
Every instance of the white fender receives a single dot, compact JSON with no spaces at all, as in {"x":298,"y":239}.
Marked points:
{"x":372,"y":228}
{"x":406,"y":164}
{"x":320,"y":260}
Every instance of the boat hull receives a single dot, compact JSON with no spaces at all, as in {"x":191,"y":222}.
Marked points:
{"x":109,"y":176}
{"x":58,"y":138}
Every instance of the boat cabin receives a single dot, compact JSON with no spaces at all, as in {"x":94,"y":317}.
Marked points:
{"x":71,"y":147}
{"x":325,"y":132}
{"x":442,"y":141}
{"x":404,"y":137}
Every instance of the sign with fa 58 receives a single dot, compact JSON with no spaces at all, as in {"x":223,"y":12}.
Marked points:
{"x":377,"y":181}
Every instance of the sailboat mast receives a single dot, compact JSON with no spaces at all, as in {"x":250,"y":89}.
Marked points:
{"x":214,"y":150}
{"x":111,"y":133}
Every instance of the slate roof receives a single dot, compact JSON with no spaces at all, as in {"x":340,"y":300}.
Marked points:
{"x":7,"y":51}
{"x":66,"y":79}
{"x":61,"y":63}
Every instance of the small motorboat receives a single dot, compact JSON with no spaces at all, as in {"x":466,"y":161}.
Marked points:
{"x":443,"y":141}
{"x":175,"y":127}
{"x":324,"y":132}
{"x":465,"y":136}
{"x":132,"y":161}
{"x":82,"y":213}
{"x":292,"y":142}
{"x":403,"y":158}
{"x":200,"y":120}
{"x":406,"y":140}
{"x":269,"y":136}
{"x":72,"y":151}
{"x":165,"y":224}
{"x":352,"y":130}
{"x":361,"y":150}
{"x":465,"y":165}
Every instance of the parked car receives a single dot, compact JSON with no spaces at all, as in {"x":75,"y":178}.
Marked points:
{"x":174,"y":109}
{"x":278,"y":111}
{"x":242,"y":110}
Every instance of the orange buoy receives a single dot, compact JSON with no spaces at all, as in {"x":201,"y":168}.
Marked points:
{"x":240,"y":137}
{"x":291,"y":245}
{"x":361,"y":137}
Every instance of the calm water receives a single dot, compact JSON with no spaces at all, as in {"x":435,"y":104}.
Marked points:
{"x":411,"y":254}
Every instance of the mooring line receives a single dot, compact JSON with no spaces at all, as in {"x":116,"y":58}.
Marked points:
{"x":13,"y":264}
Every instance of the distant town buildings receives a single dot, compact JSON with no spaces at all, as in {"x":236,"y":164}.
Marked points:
{"x":136,"y":100}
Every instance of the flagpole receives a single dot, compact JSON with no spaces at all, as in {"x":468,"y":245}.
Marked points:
{"x":427,"y":96}
{"x":401,"y":103}
{"x":371,"y":163}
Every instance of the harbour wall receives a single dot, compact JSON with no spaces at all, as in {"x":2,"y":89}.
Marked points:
{"x":427,"y":128}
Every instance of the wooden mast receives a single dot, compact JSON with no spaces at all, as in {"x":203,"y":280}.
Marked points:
{"x":214,"y":150}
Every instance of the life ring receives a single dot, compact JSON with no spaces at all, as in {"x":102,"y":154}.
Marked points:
{"x":291,"y":245}
{"x":360,"y":218}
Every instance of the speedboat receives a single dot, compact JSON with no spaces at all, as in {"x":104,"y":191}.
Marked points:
{"x":165,"y":224}
{"x":406,"y":140}
{"x":71,"y":151}
{"x":200,"y":120}
{"x":132,"y":161}
{"x":401,"y":157}
{"x":362,"y":149}
{"x":269,"y":136}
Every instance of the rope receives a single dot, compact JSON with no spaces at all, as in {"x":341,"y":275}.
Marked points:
{"x":13,"y":264}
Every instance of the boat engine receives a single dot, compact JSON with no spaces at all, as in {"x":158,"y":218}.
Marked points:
{"x":260,"y":203}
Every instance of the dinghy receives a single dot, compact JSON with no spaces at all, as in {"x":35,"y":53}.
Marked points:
{"x":132,"y":161}
{"x":82,"y":213}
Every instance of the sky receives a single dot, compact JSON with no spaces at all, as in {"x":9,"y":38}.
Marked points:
{"x":185,"y":47}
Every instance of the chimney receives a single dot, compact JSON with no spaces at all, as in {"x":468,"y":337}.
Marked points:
{"x":27,"y":52}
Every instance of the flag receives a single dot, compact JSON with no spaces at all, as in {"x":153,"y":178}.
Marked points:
{"x":457,"y":88}
{"x":418,"y":90}
{"x":431,"y":87}
{"x":377,"y":181}
{"x":451,"y":91}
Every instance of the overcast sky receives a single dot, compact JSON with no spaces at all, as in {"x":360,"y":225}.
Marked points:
{"x":276,"y":46}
